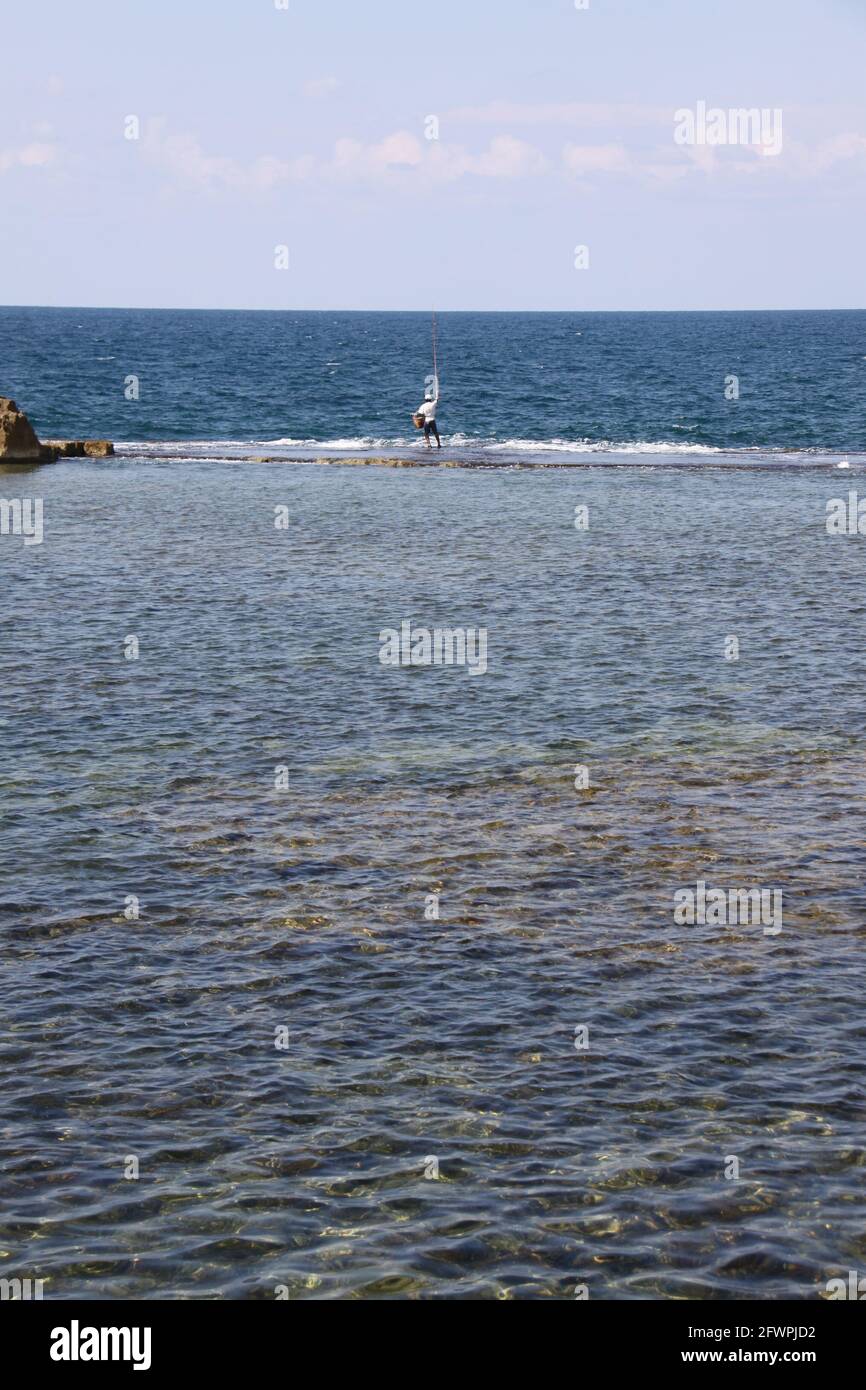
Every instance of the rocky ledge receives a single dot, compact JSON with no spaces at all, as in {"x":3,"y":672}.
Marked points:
{"x":79,"y":448}
{"x":422,"y":461}
{"x":19,"y":442}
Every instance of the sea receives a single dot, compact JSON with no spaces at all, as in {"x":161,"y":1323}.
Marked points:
{"x":324,"y":977}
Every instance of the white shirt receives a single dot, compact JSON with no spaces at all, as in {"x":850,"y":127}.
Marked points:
{"x":428,"y":409}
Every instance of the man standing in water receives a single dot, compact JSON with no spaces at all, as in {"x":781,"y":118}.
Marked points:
{"x":425,"y":416}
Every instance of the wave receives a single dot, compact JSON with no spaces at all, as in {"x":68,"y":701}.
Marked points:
{"x":477,"y":449}
{"x":454,"y":441}
{"x":359,"y":442}
{"x":493,"y":445}
{"x":587,"y":446}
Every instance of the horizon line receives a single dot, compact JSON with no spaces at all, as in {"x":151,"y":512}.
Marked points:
{"x":224,"y":309}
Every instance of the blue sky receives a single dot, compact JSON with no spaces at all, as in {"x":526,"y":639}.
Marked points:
{"x":307,"y":127}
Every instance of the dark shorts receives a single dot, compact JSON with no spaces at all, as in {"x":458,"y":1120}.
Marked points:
{"x":430,"y":428}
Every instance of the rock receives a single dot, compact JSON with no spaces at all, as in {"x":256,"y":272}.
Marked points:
{"x":19,"y":444}
{"x":66,"y":448}
{"x":18,"y":441}
{"x":80,"y":448}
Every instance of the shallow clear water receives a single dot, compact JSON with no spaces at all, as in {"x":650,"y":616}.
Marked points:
{"x":411,"y":1039}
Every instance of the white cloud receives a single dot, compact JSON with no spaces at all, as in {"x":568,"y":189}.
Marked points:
{"x":183,"y":157}
{"x":34,"y":156}
{"x":403,"y":156}
{"x":404,"y":153}
{"x":504,"y":158}
{"x":398,"y":152}
{"x":507,"y":158}
{"x":597,"y":159}
{"x":666,"y":163}
{"x":824,"y":154}
{"x":562,"y":113}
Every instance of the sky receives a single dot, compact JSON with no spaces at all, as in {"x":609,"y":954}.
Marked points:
{"x":451,"y":154}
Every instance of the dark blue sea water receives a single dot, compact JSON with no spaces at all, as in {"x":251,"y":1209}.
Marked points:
{"x":574,"y":383}
{"x":238,"y":1054}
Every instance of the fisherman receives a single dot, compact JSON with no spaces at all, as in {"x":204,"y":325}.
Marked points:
{"x":425,"y":416}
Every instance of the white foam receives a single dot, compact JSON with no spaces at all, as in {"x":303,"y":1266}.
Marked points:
{"x":582,"y":446}
{"x":352,"y":443}
{"x":453,"y":441}
{"x":476,"y":447}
